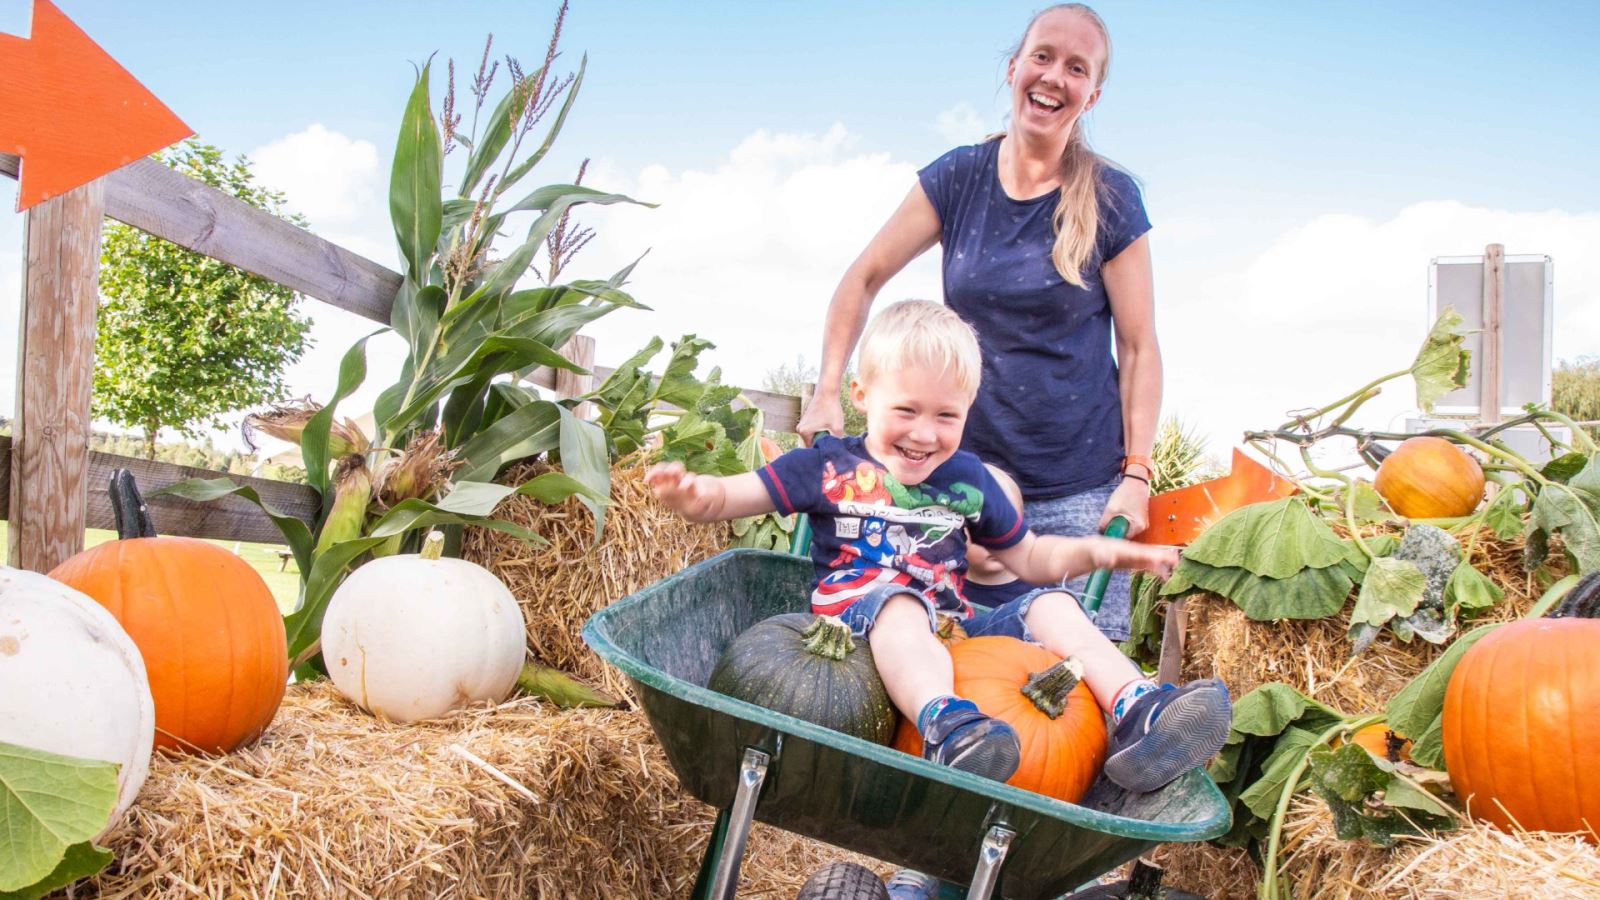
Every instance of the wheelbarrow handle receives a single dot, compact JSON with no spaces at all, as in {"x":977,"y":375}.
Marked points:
{"x":1095,"y":591}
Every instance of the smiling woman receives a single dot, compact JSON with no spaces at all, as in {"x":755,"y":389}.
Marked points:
{"x":1045,"y":256}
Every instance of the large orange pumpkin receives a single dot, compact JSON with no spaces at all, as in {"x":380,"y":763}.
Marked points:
{"x":1430,"y":478}
{"x":1058,"y":722}
{"x":1521,"y":733}
{"x":204,"y":621}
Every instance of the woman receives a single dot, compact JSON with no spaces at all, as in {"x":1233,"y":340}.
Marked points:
{"x":1046,"y":255}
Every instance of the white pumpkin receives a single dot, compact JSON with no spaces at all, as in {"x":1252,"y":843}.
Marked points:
{"x":414,"y":636}
{"x":71,"y":680}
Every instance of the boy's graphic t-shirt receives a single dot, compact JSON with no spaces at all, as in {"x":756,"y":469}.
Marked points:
{"x":869,"y":529}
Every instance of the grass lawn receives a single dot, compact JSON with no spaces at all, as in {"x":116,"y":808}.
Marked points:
{"x":263,"y":558}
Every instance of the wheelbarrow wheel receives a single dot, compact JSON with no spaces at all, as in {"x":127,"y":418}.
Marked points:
{"x":843,"y":881}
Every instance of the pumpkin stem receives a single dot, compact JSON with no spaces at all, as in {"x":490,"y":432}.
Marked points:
{"x":1582,"y":602}
{"x":828,"y":637}
{"x":1049,"y":689}
{"x":128,"y":509}
{"x":433,"y":545}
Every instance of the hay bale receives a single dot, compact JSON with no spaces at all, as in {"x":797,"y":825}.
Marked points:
{"x":487,"y":802}
{"x":561,"y":584}
{"x":1314,"y":658}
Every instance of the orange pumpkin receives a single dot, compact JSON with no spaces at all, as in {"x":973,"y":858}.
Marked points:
{"x":204,"y":621}
{"x":1058,"y":722}
{"x":1383,"y":743}
{"x":1521,"y":737}
{"x":1430,"y":478}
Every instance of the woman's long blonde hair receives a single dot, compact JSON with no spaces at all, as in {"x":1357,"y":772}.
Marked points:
{"x":1077,"y":215}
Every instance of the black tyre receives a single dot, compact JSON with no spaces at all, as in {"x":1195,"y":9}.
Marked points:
{"x":1119,"y":891}
{"x":843,"y":881}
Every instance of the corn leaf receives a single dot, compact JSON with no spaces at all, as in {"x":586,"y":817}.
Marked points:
{"x":530,"y":430}
{"x":314,"y":439}
{"x":414,"y":202}
{"x":49,"y":805}
{"x":533,"y":159}
{"x":496,"y":134}
{"x":505,"y":273}
{"x":206,"y":490}
{"x":585,"y":458}
{"x":496,"y":354}
{"x":415,"y":316}
{"x":560,"y":688}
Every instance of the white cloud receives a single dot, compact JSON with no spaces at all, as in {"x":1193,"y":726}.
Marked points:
{"x":746,"y":253}
{"x":1341,"y":300}
{"x":336,"y":182}
{"x":961,"y":124}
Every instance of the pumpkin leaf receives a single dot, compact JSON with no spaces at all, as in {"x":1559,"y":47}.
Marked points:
{"x":1563,"y":467}
{"x":1262,"y":796}
{"x":1273,"y":715}
{"x":1309,"y":594}
{"x":1369,"y":504}
{"x":1573,"y":512}
{"x":1468,"y":589}
{"x":1274,"y":540}
{"x":1378,"y":545}
{"x":51,"y":807}
{"x":206,"y":490}
{"x":1371,"y":800}
{"x":1412,"y":711}
{"x":1504,"y":514}
{"x":1392,"y":587}
{"x":561,"y":689}
{"x":1428,"y":750}
{"x":1442,"y":365}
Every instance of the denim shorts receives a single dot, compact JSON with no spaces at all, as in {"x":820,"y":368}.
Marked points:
{"x":1077,"y":516}
{"x":1008,"y":620}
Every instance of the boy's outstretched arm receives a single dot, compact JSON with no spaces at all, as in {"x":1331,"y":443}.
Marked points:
{"x":708,"y":498}
{"x":1043,"y":559}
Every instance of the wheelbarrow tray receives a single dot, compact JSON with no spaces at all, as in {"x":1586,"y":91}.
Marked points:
{"x":846,"y":791}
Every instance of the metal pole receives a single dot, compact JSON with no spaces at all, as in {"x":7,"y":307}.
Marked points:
{"x":990,"y":858}
{"x":752,"y":772}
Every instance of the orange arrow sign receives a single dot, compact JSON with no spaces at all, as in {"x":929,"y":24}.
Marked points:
{"x":70,"y":111}
{"x":1178,"y":516}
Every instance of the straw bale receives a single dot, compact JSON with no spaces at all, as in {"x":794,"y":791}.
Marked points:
{"x":520,"y":800}
{"x":561,"y":584}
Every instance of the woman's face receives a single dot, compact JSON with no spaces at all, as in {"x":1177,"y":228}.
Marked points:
{"x":1055,"y":77}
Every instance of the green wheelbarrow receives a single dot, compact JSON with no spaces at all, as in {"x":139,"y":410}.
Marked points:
{"x":752,"y":763}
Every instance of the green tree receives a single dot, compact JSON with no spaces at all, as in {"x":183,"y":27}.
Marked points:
{"x":789,"y":379}
{"x":1575,"y":390}
{"x":182,"y":339}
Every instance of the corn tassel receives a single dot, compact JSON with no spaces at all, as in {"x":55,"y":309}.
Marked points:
{"x":417,"y":473}
{"x":352,"y":489}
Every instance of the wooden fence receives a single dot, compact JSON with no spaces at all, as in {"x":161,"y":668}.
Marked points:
{"x":51,"y":486}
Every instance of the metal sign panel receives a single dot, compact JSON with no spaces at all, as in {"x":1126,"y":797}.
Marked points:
{"x":1527,"y":315}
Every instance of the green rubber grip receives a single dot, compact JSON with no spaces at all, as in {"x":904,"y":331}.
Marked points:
{"x":1095,"y":591}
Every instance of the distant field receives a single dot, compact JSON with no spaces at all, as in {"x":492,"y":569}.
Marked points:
{"x":264,"y":558}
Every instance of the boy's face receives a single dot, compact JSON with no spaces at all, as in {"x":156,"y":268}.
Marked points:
{"x":914,"y":419}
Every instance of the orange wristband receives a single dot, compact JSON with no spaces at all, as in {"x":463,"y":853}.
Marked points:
{"x":1135,"y":459}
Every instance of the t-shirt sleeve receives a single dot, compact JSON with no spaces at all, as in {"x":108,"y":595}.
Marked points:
{"x":1000,"y":525}
{"x":1123,"y":219}
{"x":940,"y":180}
{"x":794,"y":480}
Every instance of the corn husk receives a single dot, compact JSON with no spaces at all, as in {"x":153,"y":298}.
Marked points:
{"x":287,"y":422}
{"x":352,"y":490}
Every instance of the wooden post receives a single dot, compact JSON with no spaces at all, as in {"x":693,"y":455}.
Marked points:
{"x":580,"y":349}
{"x":1494,"y":280}
{"x":55,"y":370}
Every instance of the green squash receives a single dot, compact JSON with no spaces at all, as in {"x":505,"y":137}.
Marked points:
{"x":809,"y":667}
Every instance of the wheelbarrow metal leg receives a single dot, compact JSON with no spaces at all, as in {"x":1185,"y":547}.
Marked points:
{"x":733,"y":829}
{"x":991,"y":856}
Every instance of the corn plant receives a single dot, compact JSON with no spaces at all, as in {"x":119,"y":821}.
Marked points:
{"x":454,"y":417}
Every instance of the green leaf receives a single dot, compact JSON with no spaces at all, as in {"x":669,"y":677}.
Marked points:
{"x":414,"y":202}
{"x":1573,"y":511}
{"x":555,"y":127}
{"x":1378,"y":545}
{"x":1504,"y":514}
{"x":560,"y":688}
{"x":205,"y":490}
{"x":1369,"y":504}
{"x":496,"y":134}
{"x":1563,"y":467}
{"x":1411,"y":711}
{"x":1310,"y":594}
{"x":584,"y":457}
{"x":1370,"y":800}
{"x":1428,"y":750}
{"x":1469,"y":589}
{"x":1261,"y":797}
{"x":1441,"y":365}
{"x":1392,"y":587}
{"x":415,"y":316}
{"x":314,"y":439}
{"x":1272,"y":707}
{"x":303,"y":627}
{"x":496,"y":355}
{"x":1273,"y":540}
{"x":533,"y":429}
{"x":79,"y":862}
{"x":503,"y":275}
{"x":49,"y":803}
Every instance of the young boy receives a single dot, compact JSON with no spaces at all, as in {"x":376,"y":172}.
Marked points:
{"x":989,"y":583}
{"x":891,"y":511}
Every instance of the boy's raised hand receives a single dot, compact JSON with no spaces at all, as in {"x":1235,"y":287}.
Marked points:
{"x":698,"y":498}
{"x":1115,"y":553}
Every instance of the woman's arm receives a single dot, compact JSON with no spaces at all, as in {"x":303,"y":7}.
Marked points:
{"x":910,"y":231}
{"x":1130,"y":289}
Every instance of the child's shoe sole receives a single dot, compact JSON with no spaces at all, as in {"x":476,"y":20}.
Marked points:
{"x":1189,"y":731}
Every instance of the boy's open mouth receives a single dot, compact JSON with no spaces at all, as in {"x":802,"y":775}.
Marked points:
{"x":916,"y":456}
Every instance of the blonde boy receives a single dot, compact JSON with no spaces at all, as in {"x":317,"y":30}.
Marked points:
{"x":892,"y":511}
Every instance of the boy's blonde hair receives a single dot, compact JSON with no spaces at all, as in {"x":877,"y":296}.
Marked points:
{"x":924,"y":334}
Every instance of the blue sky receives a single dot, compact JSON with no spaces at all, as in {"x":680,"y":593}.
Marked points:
{"x":1301,"y":162}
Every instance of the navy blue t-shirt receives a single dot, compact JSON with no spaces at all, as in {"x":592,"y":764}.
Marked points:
{"x":867,"y":529}
{"x":1048,"y":410}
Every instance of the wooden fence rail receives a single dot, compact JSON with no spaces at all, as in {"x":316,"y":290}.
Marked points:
{"x":173,"y":206}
